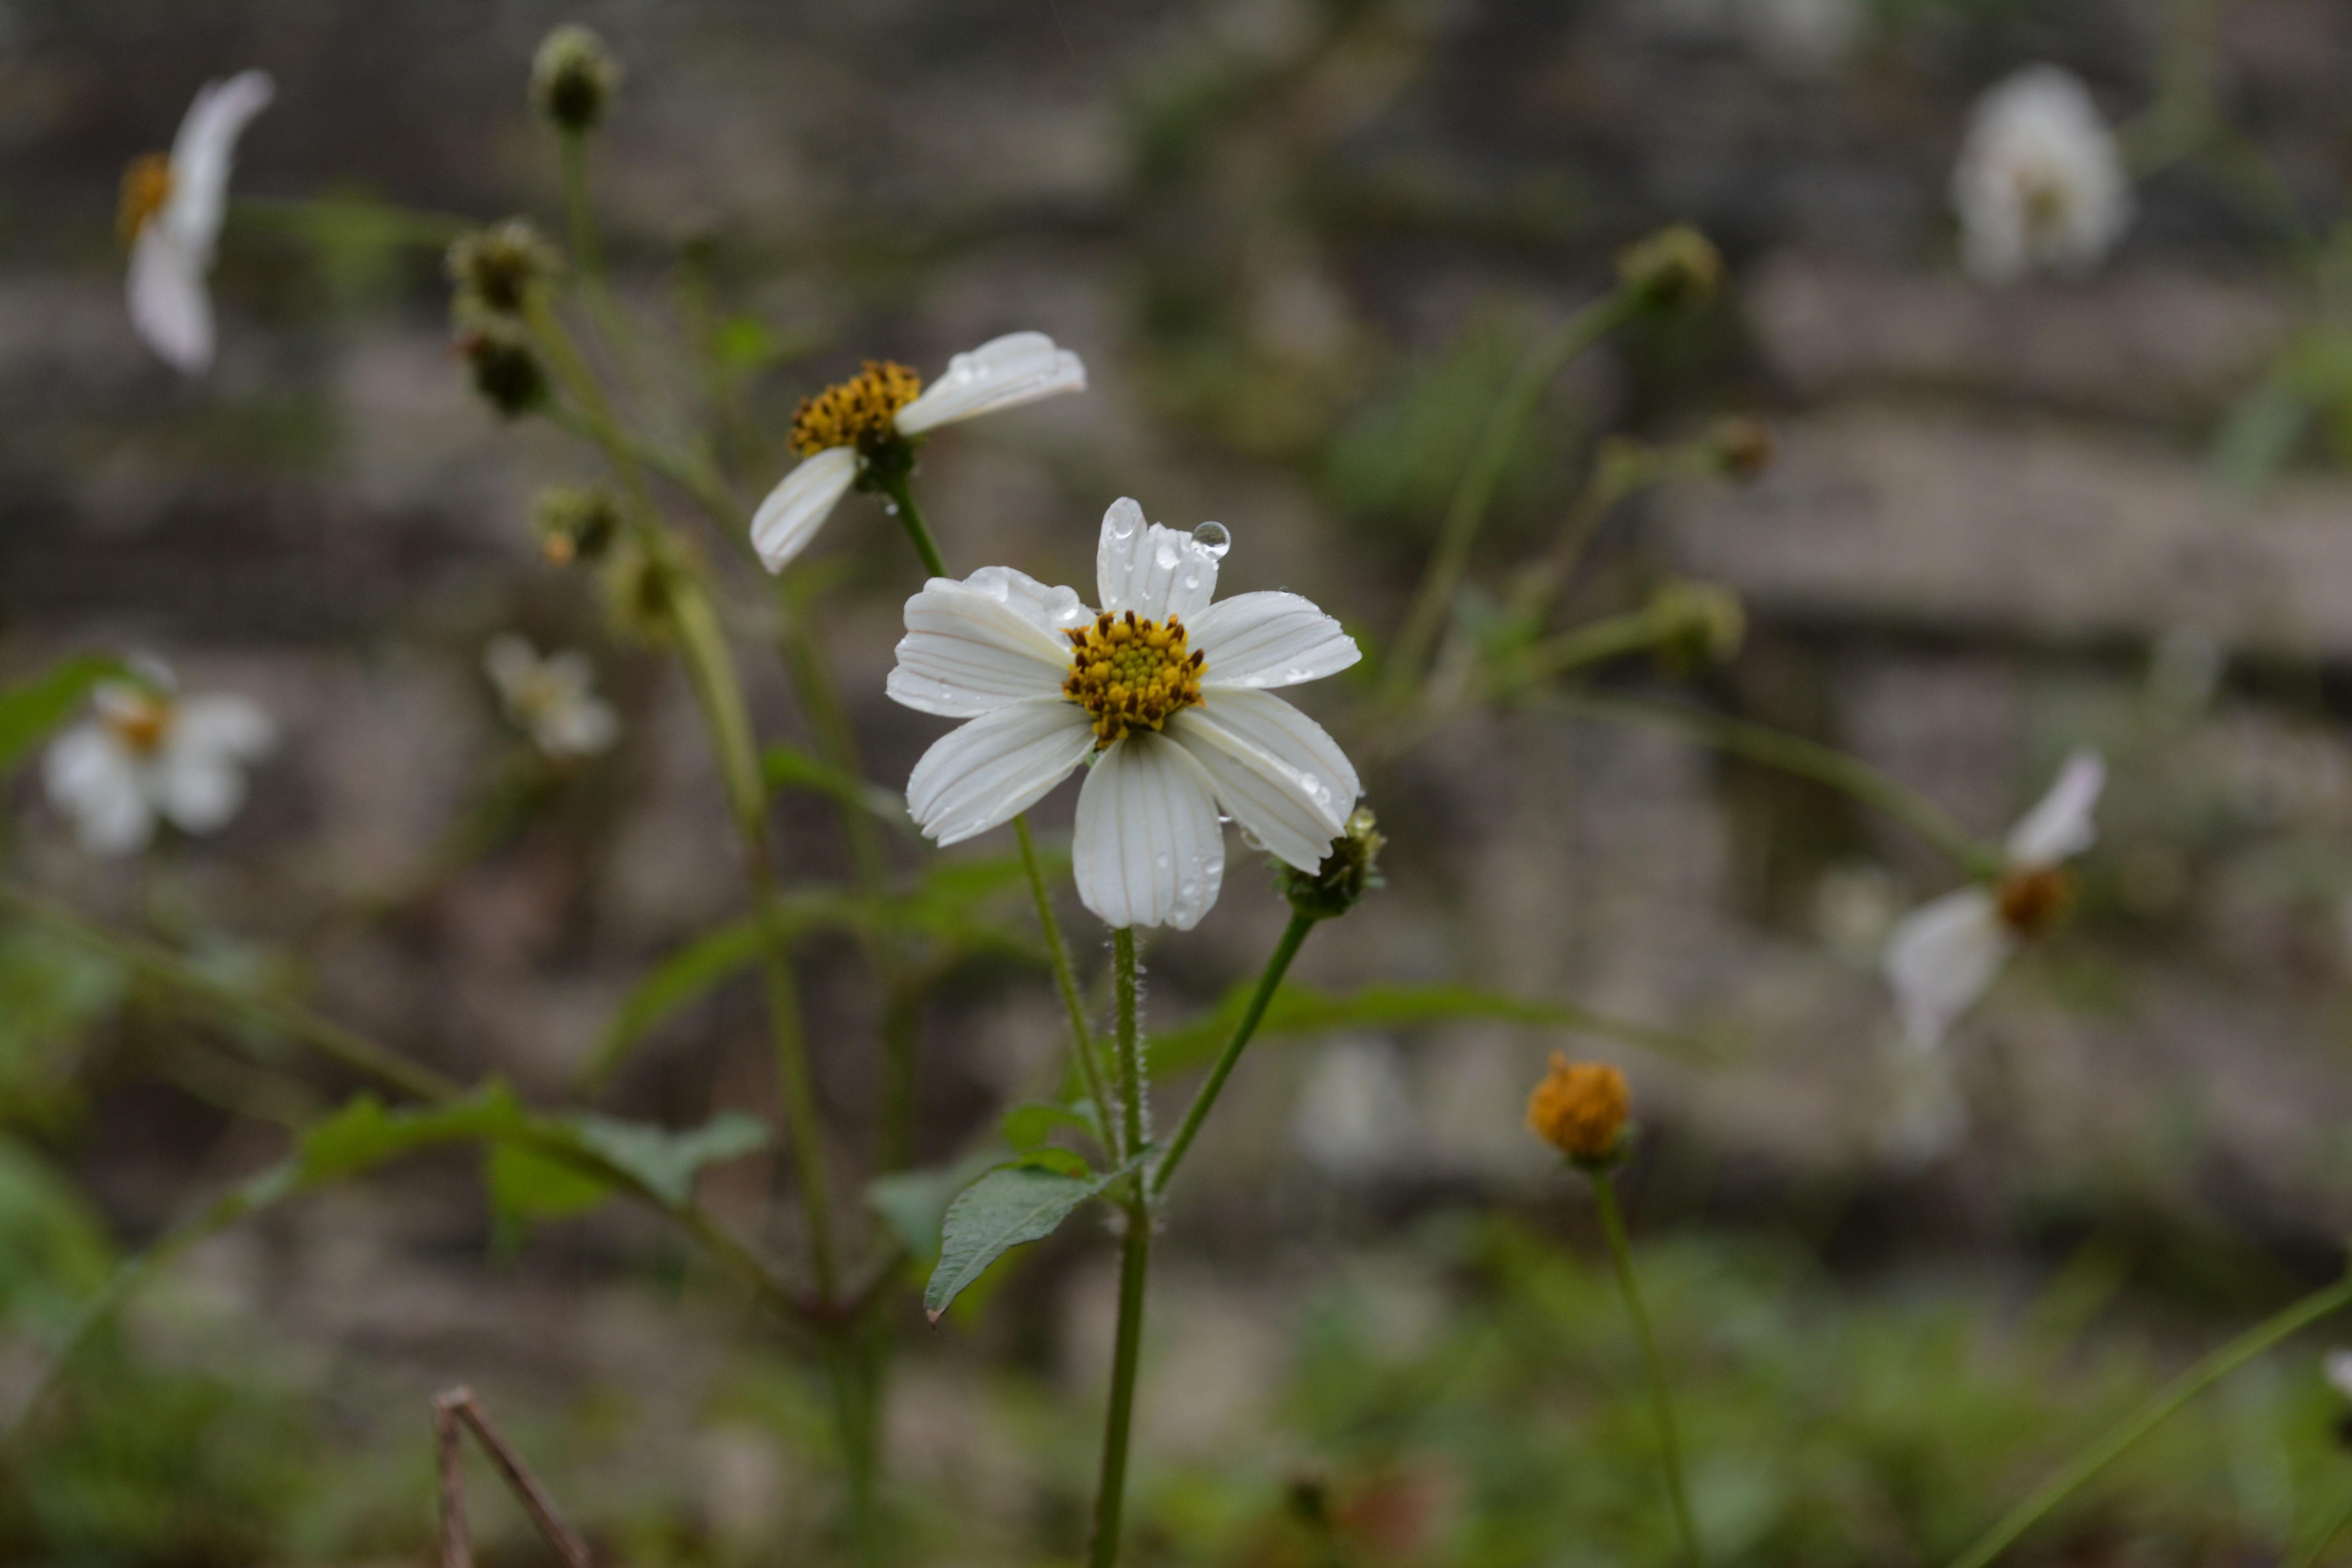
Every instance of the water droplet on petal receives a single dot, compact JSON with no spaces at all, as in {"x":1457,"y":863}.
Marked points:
{"x":1165,"y":557}
{"x":1161,"y":861}
{"x":1215,"y":538}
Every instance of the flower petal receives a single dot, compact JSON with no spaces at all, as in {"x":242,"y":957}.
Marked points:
{"x":973,"y":647}
{"x":2060,"y":825}
{"x":90,"y":780}
{"x":221,"y":726}
{"x":1148,"y":851}
{"x":1003,"y":373}
{"x":508,"y":661}
{"x":1275,"y":769}
{"x":995,"y":767}
{"x":1156,"y":571}
{"x":202,"y":154}
{"x":800,"y":503}
{"x":1940,"y":958}
{"x":169,"y":308}
{"x":198,"y":789}
{"x":1269,"y":639}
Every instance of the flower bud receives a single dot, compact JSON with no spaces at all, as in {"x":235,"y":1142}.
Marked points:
{"x":1699,"y":624}
{"x":495,"y":267}
{"x":506,"y":370}
{"x":575,"y":525}
{"x":639,"y":599}
{"x":573,"y":79}
{"x":1352,"y":867}
{"x":1744,"y":447}
{"x":1582,"y":1108}
{"x":1677,"y":268}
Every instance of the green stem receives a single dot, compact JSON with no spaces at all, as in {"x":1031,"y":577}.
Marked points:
{"x":2154,"y":1414}
{"x":1065,"y":981}
{"x":1807,"y":759}
{"x":1620,"y":1253}
{"x":1475,"y":491}
{"x":588,"y":253}
{"x":1277,"y":966}
{"x":1591,"y":643}
{"x":1135,"y":1264}
{"x":911,"y":517}
{"x":2309,"y":1555}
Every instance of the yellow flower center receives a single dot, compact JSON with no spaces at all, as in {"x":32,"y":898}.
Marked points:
{"x":2032,"y":899}
{"x":1132,"y":674}
{"x":138,"y":722}
{"x":2044,"y":198}
{"x":858,"y":411}
{"x":146,"y":186}
{"x":1580,"y":1109}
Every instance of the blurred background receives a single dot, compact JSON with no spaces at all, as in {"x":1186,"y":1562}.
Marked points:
{"x":1300,"y":244}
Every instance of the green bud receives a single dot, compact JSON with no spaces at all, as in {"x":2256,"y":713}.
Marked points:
{"x":639,"y":598}
{"x":495,"y":267}
{"x":1350,"y":869}
{"x":575,"y":525}
{"x":506,"y":370}
{"x":1677,"y":268}
{"x":1699,"y":624}
{"x":573,"y":78}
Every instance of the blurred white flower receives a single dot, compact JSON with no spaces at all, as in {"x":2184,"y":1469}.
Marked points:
{"x":838,"y":431}
{"x":1854,"y":907}
{"x":1166,"y":693}
{"x":1944,"y":954}
{"x":1355,"y":1118}
{"x":2040,"y":185}
{"x":2336,"y":1367}
{"x":552,"y":699}
{"x":172,"y":211}
{"x":148,"y":752}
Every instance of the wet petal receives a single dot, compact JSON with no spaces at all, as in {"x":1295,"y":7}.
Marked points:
{"x":1156,"y":571}
{"x":2060,"y":825}
{"x":973,"y":647}
{"x":1003,"y":373}
{"x":1269,"y":639}
{"x":1275,"y":769}
{"x":798,"y":505}
{"x":995,"y":767}
{"x":1148,"y":851}
{"x":1940,"y":958}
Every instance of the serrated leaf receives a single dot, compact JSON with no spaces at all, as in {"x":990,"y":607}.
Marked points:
{"x":1299,"y":1010}
{"x":666,"y":1163}
{"x":30,"y":710}
{"x":788,"y":767}
{"x":1007,"y":1207}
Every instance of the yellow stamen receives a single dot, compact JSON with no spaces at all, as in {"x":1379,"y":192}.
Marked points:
{"x":1580,"y":1109}
{"x":1132,"y":674}
{"x":856,"y":412}
{"x":146,"y":186}
{"x":138,"y":722}
{"x":2033,"y":898}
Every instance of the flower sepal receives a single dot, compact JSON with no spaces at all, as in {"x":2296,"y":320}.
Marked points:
{"x":1350,"y":870}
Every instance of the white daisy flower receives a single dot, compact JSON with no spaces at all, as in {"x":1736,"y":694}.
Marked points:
{"x":2040,"y":185}
{"x":552,"y":700}
{"x":1168,"y":695}
{"x":876,"y":413}
{"x":1945,"y":953}
{"x":172,"y":211}
{"x":148,"y":752}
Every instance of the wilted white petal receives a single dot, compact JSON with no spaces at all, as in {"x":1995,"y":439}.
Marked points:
{"x":1156,"y":571}
{"x":1940,"y":958}
{"x":2060,"y":825}
{"x":202,"y":154}
{"x":995,"y":767}
{"x":1148,"y":851}
{"x":169,"y":308}
{"x":1003,"y":373}
{"x":91,"y":779}
{"x":798,"y":505}
{"x":1276,"y":770}
{"x":221,"y":726}
{"x":1268,"y":641}
{"x":972,"y":646}
{"x":2040,"y":183}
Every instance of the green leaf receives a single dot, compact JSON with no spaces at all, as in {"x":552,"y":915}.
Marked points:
{"x":914,"y":1203}
{"x":787,"y":767}
{"x":527,"y":1184}
{"x":1299,"y":1010}
{"x":1005,"y":1209}
{"x":663,"y":1161}
{"x":675,"y":981}
{"x":30,"y":710}
{"x":1026,"y":1127}
{"x":52,"y":994}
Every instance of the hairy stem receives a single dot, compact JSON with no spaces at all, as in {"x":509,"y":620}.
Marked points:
{"x":1294,"y":936}
{"x":1621,"y":1254}
{"x":2154,"y":1414}
{"x":1134,"y":1265}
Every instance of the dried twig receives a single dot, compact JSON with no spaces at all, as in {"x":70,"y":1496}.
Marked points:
{"x":459,"y":1404}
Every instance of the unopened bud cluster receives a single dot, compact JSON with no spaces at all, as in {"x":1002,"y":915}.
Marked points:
{"x":1351,"y":869}
{"x":495,"y":269}
{"x":573,"y":79}
{"x":506,"y":370}
{"x":1677,"y":268}
{"x":575,"y":523}
{"x":640,"y":592}
{"x":1582,"y":1109}
{"x":1698,"y":623}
